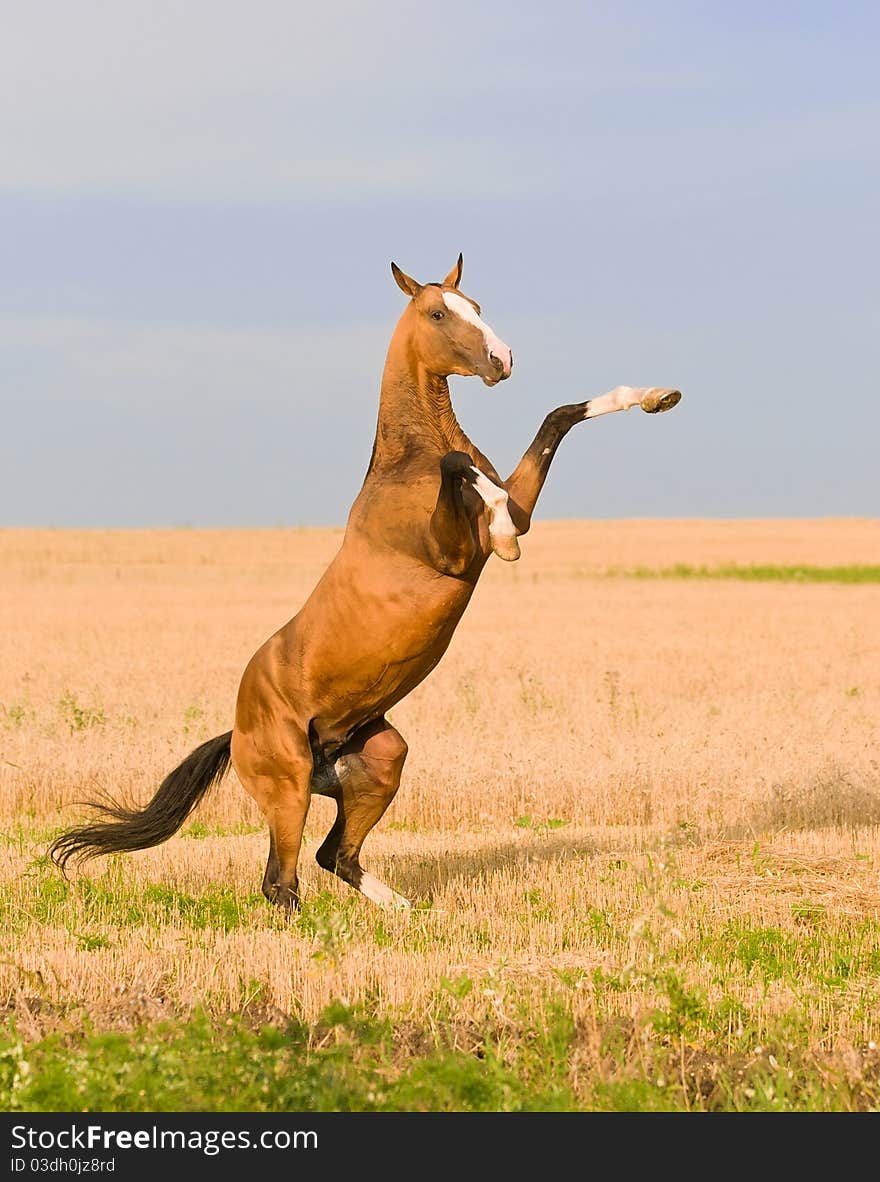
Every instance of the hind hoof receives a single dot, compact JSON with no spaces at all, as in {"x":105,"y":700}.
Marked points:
{"x":380,"y":894}
{"x":285,"y":898}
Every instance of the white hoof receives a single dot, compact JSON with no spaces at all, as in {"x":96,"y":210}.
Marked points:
{"x":383,"y":896}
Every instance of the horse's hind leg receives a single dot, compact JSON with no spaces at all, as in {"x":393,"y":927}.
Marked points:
{"x":283,"y":793}
{"x":368,"y":770}
{"x":273,"y":867}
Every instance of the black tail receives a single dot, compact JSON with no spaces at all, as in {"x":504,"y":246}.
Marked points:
{"x":123,"y":829}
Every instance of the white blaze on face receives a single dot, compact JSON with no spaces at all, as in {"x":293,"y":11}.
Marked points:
{"x":502,"y":531}
{"x":494,"y":345}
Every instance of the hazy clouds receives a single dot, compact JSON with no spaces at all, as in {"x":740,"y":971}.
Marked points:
{"x":198,"y":205}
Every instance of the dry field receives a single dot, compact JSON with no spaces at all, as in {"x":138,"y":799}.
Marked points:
{"x":640,"y":820}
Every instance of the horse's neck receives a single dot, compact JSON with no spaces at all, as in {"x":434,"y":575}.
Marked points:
{"x":415,"y":412}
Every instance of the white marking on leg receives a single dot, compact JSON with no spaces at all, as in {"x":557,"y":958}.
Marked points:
{"x":495,"y":499}
{"x":620,"y":398}
{"x":502,"y":531}
{"x":465,"y":309}
{"x":377,"y":892}
{"x":624,"y":398}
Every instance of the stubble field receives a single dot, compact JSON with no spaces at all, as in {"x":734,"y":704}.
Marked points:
{"x":639,"y":821}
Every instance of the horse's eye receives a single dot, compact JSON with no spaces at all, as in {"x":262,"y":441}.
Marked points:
{"x":437,"y":315}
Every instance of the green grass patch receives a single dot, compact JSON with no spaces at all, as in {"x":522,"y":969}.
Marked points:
{"x":198,"y":830}
{"x":828,"y":958}
{"x":74,"y":905}
{"x":30,"y":837}
{"x":79,"y":717}
{"x":757,"y":573}
{"x":529,"y":822}
{"x":351,"y":1059}
{"x":358,"y":1064}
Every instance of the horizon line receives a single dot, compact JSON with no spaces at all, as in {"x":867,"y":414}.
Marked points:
{"x":191,"y":526}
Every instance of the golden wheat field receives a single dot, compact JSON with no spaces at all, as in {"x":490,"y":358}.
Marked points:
{"x":653,"y":802}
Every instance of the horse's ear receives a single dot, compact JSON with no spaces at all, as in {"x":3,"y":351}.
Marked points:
{"x":407,"y":286}
{"x":454,"y":277}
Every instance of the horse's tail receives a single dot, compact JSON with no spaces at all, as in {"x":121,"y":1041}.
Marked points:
{"x":120,"y":830}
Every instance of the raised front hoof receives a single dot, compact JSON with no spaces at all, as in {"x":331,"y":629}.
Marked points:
{"x":285,"y":898}
{"x":656,"y":401}
{"x":507,"y":548}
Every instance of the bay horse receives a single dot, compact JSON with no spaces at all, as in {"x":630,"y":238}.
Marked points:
{"x":310,"y":714}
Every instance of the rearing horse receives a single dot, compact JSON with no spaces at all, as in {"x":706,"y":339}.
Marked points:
{"x":310,"y":716}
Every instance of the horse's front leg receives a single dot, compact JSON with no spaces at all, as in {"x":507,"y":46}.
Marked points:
{"x":453,"y":539}
{"x":525,"y":483}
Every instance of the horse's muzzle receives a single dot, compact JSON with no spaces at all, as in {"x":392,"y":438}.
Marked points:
{"x":501,"y":368}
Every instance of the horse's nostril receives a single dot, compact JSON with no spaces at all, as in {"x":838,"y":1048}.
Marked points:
{"x":497,"y":362}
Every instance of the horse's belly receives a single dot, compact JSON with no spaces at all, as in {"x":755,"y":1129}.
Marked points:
{"x":345,"y":708}
{"x":358,"y":672}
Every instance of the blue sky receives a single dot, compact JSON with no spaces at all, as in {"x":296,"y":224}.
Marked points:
{"x":199,"y":203}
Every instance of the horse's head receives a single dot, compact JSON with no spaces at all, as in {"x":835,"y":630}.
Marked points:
{"x":446,"y":330}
